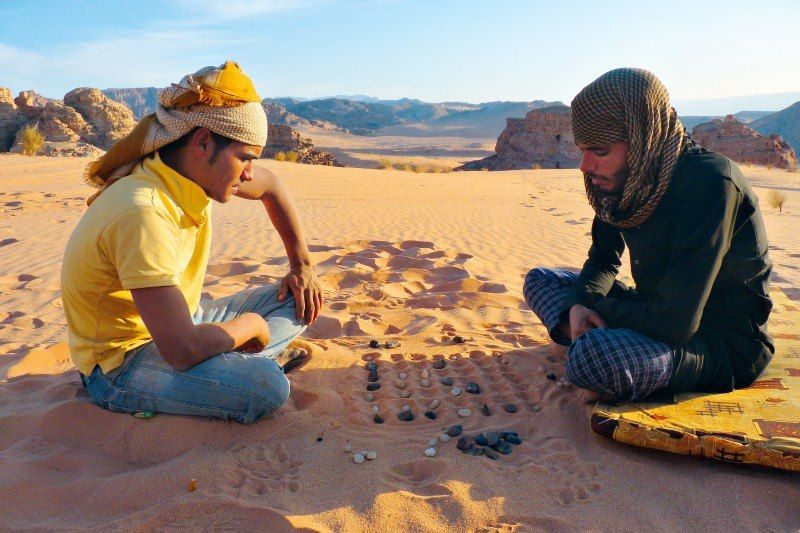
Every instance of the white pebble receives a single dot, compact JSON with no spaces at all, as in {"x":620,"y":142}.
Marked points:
{"x":400,"y":384}
{"x":432,"y":443}
{"x":358,"y":458}
{"x":425,"y":374}
{"x":567,"y":384}
{"x":371,"y":456}
{"x":425,"y":382}
{"x":444,"y":437}
{"x":375,"y":409}
{"x":430,"y":452}
{"x":465,"y":412}
{"x":403,"y":375}
{"x":370,"y":396}
{"x":560,"y":384}
{"x":406,"y":408}
{"x":456,"y":391}
{"x":405,"y":394}
{"x":537,"y":407}
{"x":541,"y":369}
{"x":434,"y":404}
{"x":363,"y":452}
{"x":348,"y":448}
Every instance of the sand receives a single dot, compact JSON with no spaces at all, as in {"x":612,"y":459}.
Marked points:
{"x":416,"y":258}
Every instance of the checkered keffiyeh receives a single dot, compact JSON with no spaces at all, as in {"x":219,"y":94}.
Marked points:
{"x":630,"y":105}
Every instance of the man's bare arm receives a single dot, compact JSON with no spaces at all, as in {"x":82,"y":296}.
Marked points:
{"x":184,"y":344}
{"x":301,"y":280}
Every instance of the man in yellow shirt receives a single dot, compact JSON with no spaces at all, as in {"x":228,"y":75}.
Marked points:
{"x":134,"y":266}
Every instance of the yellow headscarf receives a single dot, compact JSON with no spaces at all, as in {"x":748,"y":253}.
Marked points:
{"x":222,"y":99}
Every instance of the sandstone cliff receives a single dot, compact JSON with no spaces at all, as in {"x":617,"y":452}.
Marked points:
{"x":741,"y":143}
{"x":282,"y":138}
{"x":110,"y":120}
{"x":543,"y":139}
{"x":10,"y":119}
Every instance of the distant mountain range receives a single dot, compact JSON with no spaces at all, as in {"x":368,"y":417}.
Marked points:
{"x":366,"y":115}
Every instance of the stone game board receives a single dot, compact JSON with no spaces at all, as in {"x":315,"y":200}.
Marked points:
{"x":759,"y":424}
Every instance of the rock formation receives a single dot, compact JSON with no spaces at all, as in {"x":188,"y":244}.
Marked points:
{"x":110,"y":120}
{"x":141,"y":100}
{"x":741,"y":143}
{"x":83,"y":124}
{"x":282,"y":138}
{"x":10,"y":119}
{"x":543,"y":139}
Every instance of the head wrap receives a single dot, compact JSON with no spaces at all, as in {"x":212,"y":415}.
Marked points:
{"x":222,"y":99}
{"x":630,"y":105}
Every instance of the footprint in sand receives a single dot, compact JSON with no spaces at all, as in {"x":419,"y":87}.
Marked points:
{"x":21,"y":320}
{"x":263,"y":470}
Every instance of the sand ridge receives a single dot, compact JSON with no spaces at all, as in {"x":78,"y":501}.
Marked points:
{"x":406,"y":257}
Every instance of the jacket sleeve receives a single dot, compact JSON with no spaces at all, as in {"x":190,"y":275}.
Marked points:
{"x":601,"y":268}
{"x":703,"y":228}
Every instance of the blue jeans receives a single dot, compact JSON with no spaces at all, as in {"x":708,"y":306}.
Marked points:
{"x":240,"y":386}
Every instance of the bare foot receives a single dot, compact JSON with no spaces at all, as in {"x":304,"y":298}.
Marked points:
{"x":296,"y":355}
{"x":590,"y":396}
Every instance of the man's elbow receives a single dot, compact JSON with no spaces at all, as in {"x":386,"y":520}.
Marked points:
{"x":179,"y":357}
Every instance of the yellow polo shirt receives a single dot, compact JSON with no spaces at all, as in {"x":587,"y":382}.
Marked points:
{"x":149,"y":229}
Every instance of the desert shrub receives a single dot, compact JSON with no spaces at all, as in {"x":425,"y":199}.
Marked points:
{"x":385,"y":164}
{"x":280,"y":156}
{"x":484,"y":169}
{"x":292,"y":156}
{"x":32,"y":140}
{"x":420,"y":168}
{"x":536,"y":166}
{"x":776,"y":199}
{"x":406,"y":167}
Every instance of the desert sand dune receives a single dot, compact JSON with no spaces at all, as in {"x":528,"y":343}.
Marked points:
{"x":413,"y":258}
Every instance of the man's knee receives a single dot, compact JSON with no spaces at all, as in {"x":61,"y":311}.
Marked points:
{"x":535,"y":280}
{"x":267,"y":389}
{"x":589,"y":367}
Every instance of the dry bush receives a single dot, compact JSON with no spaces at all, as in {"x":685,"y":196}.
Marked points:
{"x":406,"y":167}
{"x":776,"y":199}
{"x":420,"y":168}
{"x":32,"y":140}
{"x":536,"y":166}
{"x":484,"y":169}
{"x":280,"y":156}
{"x":292,"y":157}
{"x":385,"y":164}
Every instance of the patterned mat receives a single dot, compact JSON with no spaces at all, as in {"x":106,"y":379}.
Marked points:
{"x":759,"y":424}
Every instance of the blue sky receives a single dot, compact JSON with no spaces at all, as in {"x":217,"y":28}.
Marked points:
{"x":434,"y":50}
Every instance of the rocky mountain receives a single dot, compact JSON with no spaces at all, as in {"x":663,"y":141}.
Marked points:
{"x":744,"y":117}
{"x":142,"y":101}
{"x":743,"y":144}
{"x":282,"y":138}
{"x":785,"y":123}
{"x":11,"y":119}
{"x":543,"y":139}
{"x":410,"y":117}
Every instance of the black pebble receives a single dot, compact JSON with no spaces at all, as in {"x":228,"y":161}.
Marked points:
{"x":503,"y":447}
{"x":488,"y":452}
{"x":493,"y":438}
{"x":448,"y":381}
{"x":506,"y":435}
{"x":373,"y":376}
{"x":378,"y":419}
{"x":431,"y":415}
{"x":406,"y":416}
{"x":374,"y":344}
{"x":510,"y":408}
{"x":551,"y":376}
{"x":513,"y":439}
{"x":474,"y":451}
{"x":465,"y":443}
{"x":473,"y":388}
{"x":454,"y":431}
{"x":458,"y":339}
{"x":373,"y":386}
{"x":485,"y":410}
{"x":438,"y":364}
{"x":480,"y":440}
{"x":319,"y":439}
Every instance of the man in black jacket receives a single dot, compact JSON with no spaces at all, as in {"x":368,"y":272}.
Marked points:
{"x":697,"y":317}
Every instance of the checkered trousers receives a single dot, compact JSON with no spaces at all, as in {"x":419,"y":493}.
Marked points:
{"x":621,"y":363}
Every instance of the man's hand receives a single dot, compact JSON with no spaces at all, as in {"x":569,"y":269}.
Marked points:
{"x":307,"y":291}
{"x":582,"y":320}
